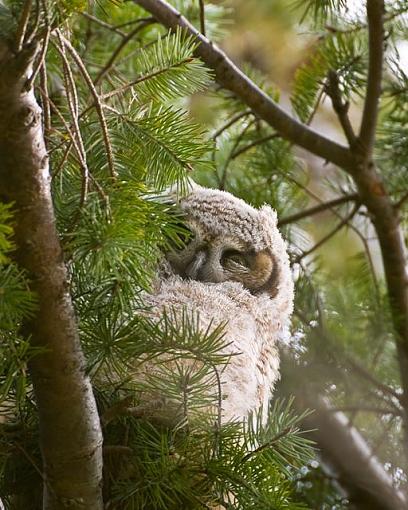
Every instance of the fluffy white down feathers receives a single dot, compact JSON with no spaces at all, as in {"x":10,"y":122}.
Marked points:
{"x":257,"y":313}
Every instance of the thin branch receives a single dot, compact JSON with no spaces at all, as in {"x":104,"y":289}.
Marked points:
{"x":375,"y":16}
{"x":80,"y":150}
{"x":41,"y":60}
{"x":401,"y":201}
{"x":98,"y":105}
{"x":328,"y":236}
{"x":229,"y":76}
{"x":267,"y":445}
{"x":202,"y":16}
{"x":141,"y":79}
{"x":341,"y":108}
{"x":365,"y":374}
{"x":253,"y":144}
{"x":223,"y":178}
{"x":366,"y":409}
{"x":318,"y":209}
{"x":22,"y":25}
{"x":230,"y":123}
{"x":103,"y":24}
{"x":44,"y":103}
{"x":126,"y":39}
{"x":138,"y":20}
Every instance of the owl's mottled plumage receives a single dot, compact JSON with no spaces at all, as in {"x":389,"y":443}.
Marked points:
{"x":235,"y":269}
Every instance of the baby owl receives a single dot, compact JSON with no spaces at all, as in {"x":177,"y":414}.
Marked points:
{"x":234,"y":270}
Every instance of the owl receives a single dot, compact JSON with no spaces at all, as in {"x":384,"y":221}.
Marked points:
{"x":233,"y":271}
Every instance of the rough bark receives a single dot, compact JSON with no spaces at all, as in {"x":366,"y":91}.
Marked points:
{"x":70,"y":433}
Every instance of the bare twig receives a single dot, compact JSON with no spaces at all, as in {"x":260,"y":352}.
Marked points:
{"x":103,"y":24}
{"x":44,"y":102}
{"x":318,"y":209}
{"x":223,"y":178}
{"x":401,"y":201}
{"x":231,"y":122}
{"x":80,"y":150}
{"x":98,"y":104}
{"x":366,"y":374}
{"x":23,"y":24}
{"x":253,"y":144}
{"x":40,"y":61}
{"x":128,"y":37}
{"x":341,"y":108}
{"x":328,"y":236}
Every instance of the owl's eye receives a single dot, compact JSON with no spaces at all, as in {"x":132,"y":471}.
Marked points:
{"x":234,"y":257}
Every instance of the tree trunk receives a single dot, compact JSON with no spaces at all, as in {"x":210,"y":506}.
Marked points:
{"x":70,"y":432}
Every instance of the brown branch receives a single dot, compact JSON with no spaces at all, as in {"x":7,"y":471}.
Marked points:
{"x":401,"y":201}
{"x":98,"y":105}
{"x":253,"y":144}
{"x":318,"y":209}
{"x":375,"y":16}
{"x":103,"y":24}
{"x":73,"y":466}
{"x":202,"y":16}
{"x":223,"y":178}
{"x":341,"y":108}
{"x":231,"y":122}
{"x":230,"y":77}
{"x":23,"y":24}
{"x":328,"y":236}
{"x":126,"y":39}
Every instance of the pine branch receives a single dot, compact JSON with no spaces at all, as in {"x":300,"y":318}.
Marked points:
{"x":229,"y":76}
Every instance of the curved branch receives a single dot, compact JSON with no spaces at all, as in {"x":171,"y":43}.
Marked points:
{"x":229,"y":76}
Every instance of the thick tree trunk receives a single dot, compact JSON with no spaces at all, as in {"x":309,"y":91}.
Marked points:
{"x":70,"y":432}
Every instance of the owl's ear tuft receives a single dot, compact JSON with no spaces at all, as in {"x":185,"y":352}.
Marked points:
{"x":268,"y":215}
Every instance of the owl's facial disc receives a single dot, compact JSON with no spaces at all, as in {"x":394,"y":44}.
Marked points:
{"x":218,"y":260}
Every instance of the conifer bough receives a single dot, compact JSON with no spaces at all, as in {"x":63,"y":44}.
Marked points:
{"x":70,"y":433}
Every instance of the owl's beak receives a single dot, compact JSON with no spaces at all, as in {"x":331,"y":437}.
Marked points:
{"x":194,"y":268}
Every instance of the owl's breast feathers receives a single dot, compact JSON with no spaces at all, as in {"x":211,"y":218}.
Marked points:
{"x":253,"y":325}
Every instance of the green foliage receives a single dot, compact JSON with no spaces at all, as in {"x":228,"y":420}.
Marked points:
{"x":320,"y":10}
{"x":344,"y":53}
{"x":172,"y":69}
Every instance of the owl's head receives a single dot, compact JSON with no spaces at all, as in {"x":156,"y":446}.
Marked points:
{"x":231,"y":241}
